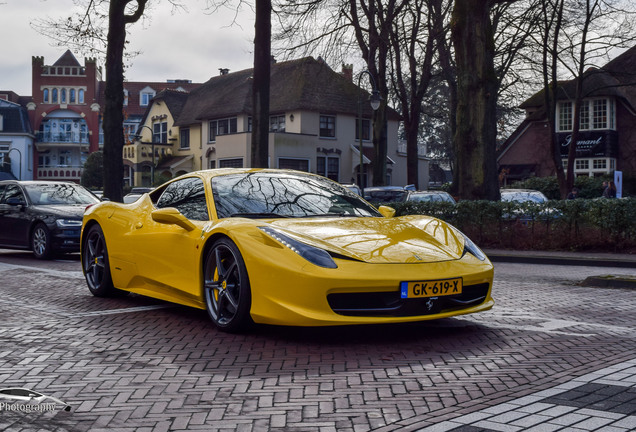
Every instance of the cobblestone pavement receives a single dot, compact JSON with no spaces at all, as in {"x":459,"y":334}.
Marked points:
{"x":551,"y":355}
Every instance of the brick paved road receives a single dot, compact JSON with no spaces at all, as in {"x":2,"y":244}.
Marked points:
{"x":139,"y":364}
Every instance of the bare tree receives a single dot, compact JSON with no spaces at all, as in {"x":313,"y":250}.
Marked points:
{"x":102,"y":29}
{"x":573,"y":36}
{"x":477,"y":90}
{"x":396,"y":41}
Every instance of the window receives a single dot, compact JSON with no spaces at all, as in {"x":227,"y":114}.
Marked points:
{"x":584,"y":117}
{"x":46,"y":95}
{"x":327,"y":126}
{"x":54,"y":95}
{"x":125,"y":97}
{"x":184,"y":138}
{"x":277,"y":123}
{"x":565,"y":116}
{"x":80,"y":96}
{"x":581,"y":164}
{"x":160,"y":132}
{"x":71,"y":95}
{"x":13,"y":191}
{"x":600,"y":164}
{"x":595,"y":114}
{"x":187,"y":196}
{"x":222,"y":127}
{"x":63,"y":96}
{"x":145,"y":95}
{"x":328,"y":166}
{"x":366,"y":129}
{"x":294,"y":164}
{"x":1,"y":122}
{"x":231,"y":163}
{"x":599,"y":114}
{"x":212,"y":164}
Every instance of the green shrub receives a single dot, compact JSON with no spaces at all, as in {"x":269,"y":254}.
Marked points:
{"x":580,"y":224}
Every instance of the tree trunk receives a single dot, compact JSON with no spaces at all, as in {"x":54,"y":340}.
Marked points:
{"x":260,"y":89}
{"x":475,"y":136}
{"x":114,"y":103}
{"x":113,"y":124}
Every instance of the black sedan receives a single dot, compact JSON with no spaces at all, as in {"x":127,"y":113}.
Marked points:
{"x":42,"y":216}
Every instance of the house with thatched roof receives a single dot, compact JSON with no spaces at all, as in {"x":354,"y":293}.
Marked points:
{"x":313,"y":125}
{"x":607,"y":138}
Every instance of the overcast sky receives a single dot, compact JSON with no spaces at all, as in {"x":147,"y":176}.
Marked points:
{"x":188,"y":45}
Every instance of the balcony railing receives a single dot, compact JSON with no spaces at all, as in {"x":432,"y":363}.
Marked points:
{"x":60,"y":173}
{"x":63,"y":137}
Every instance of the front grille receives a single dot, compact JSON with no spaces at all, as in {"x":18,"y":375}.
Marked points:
{"x":391,"y":304}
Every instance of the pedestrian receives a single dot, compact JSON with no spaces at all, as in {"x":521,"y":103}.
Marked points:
{"x":610,"y":190}
{"x":574,"y":194}
{"x":604,"y":187}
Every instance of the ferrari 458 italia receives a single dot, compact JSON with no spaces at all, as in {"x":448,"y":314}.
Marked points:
{"x":281,"y":247}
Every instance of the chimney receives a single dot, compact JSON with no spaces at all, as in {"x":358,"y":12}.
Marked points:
{"x":347,"y":71}
{"x":224,"y":71}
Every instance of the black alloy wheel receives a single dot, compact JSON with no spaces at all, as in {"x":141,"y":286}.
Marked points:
{"x":95,"y":263}
{"x":226,"y":287}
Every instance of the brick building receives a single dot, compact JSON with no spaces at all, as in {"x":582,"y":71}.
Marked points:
{"x":607,"y":138}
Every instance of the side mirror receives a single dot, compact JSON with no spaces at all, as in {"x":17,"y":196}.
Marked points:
{"x":386,"y":211}
{"x":172,"y":216}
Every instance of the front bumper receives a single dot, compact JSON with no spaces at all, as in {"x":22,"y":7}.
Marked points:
{"x":361,"y":293}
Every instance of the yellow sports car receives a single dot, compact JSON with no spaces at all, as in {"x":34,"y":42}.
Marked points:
{"x":281,"y":247}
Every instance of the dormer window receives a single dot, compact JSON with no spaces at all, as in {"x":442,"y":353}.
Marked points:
{"x":595,"y":114}
{"x":145,"y":95}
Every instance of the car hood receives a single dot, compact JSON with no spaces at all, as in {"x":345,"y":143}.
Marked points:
{"x":407,"y":239}
{"x":70,"y":211}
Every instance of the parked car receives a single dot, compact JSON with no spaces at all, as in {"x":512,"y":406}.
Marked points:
{"x":531,"y":197}
{"x":42,"y":216}
{"x":431,"y":196}
{"x":523,"y":195}
{"x":135,"y":193}
{"x":281,"y":247}
{"x":385,"y":194}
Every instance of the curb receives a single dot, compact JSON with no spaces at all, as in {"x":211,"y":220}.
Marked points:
{"x":537,"y":258}
{"x":610,"y":281}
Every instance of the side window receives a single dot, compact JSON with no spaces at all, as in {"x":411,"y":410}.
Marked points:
{"x":2,"y":188}
{"x":187,"y":196}
{"x":13,"y":191}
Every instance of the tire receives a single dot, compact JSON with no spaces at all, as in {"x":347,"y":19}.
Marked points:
{"x":41,"y":242}
{"x":226,"y":287}
{"x":96,"y":265}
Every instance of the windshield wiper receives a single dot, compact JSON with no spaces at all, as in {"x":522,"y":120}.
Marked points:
{"x":258,"y":215}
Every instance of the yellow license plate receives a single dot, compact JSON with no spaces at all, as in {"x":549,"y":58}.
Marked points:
{"x":432,"y":288}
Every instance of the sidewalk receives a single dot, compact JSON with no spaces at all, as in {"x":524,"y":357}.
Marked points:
{"x":592,"y":259}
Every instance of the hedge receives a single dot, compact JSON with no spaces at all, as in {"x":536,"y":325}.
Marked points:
{"x":581,"y":224}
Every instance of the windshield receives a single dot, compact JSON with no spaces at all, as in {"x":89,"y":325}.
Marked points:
{"x":536,"y":197}
{"x":385,"y":196}
{"x":264,"y":194}
{"x":59,"y":193}
{"x":431,"y":197}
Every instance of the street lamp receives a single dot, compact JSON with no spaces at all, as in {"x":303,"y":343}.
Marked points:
{"x":375,"y":100}
{"x":152,"y":147}
{"x":19,"y":153}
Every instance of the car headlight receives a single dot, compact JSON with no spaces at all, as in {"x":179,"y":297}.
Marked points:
{"x":68,"y":223}
{"x":314,"y":255}
{"x":472,"y":248}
